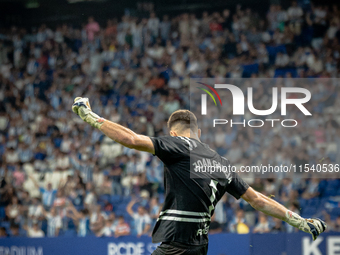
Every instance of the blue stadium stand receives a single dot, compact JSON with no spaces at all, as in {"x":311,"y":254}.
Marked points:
{"x":70,"y":233}
{"x":282,"y":72}
{"x":273,"y":50}
{"x":2,"y":212}
{"x":115,"y":199}
{"x":248,"y":70}
{"x":5,"y":224}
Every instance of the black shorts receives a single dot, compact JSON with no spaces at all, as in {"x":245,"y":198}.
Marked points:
{"x":179,"y":249}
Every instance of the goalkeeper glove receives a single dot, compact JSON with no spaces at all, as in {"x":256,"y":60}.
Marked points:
{"x":82,"y":108}
{"x":313,"y":226}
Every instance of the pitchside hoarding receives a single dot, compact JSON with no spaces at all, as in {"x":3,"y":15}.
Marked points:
{"x":220,"y":244}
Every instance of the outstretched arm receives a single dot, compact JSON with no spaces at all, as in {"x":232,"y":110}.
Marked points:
{"x":265,"y":204}
{"x":116,"y":132}
{"x":127,"y":137}
{"x":272,"y":208}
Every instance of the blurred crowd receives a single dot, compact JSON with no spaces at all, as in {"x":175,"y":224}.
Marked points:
{"x":62,"y":177}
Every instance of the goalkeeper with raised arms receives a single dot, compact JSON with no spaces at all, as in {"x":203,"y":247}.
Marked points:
{"x":183,"y":224}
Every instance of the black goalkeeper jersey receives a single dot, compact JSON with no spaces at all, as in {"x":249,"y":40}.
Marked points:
{"x":190,"y":196}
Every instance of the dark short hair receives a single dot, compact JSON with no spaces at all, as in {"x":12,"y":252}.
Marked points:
{"x":14,"y":225}
{"x":184,"y":118}
{"x":84,"y":211}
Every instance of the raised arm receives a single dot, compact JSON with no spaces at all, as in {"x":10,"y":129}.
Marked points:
{"x":43,"y":211}
{"x":36,"y":184}
{"x":127,"y":137}
{"x":116,"y":132}
{"x":73,"y":213}
{"x":129,"y":207}
{"x":272,"y":208}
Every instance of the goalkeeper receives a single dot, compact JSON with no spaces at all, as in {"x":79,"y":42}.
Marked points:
{"x":183,"y":224}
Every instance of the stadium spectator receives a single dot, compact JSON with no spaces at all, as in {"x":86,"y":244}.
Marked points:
{"x":337,"y":224}
{"x":312,"y":189}
{"x":142,"y":220}
{"x":97,"y":219}
{"x":35,"y":210}
{"x":54,"y":222}
{"x":35,"y":230}
{"x":15,"y":231}
{"x":155,"y":209}
{"x":90,"y":198}
{"x":238,"y":223}
{"x":122,"y":228}
{"x":278,"y":227}
{"x":295,"y":14}
{"x":329,"y":222}
{"x":108,"y":229}
{"x":92,"y":28}
{"x":220,"y":213}
{"x":115,"y":175}
{"x":13,"y":211}
{"x":262,"y":226}
{"x":47,"y":194}
{"x":81,"y":219}
{"x":60,"y":200}
{"x":3,"y":232}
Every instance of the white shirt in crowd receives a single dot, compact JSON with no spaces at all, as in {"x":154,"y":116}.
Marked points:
{"x":35,"y":210}
{"x":141,"y":221}
{"x":53,"y":223}
{"x":294,"y":12}
{"x":35,"y":233}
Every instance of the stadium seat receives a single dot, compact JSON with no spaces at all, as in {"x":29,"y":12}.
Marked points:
{"x":115,"y":199}
{"x":126,"y":199}
{"x":332,"y":188}
{"x":5,"y":224}
{"x":303,"y":203}
{"x":2,"y":212}
{"x":314,"y":202}
{"x":282,"y":72}
{"x":70,"y":224}
{"x":121,"y":206}
{"x":309,"y":210}
{"x":22,"y":232}
{"x":273,"y":50}
{"x":70,"y":233}
{"x":44,"y":226}
{"x":57,"y":142}
{"x":105,"y":197}
{"x":79,"y":207}
{"x":336,"y":211}
{"x":248,"y":70}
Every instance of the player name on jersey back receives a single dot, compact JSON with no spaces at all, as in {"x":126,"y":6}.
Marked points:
{"x":191,"y":197}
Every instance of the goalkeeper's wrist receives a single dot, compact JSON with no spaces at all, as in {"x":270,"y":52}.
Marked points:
{"x":95,"y":120}
{"x":295,"y":220}
{"x":91,"y":118}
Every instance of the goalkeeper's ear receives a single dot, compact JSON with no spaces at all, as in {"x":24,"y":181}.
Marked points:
{"x":173,"y":133}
